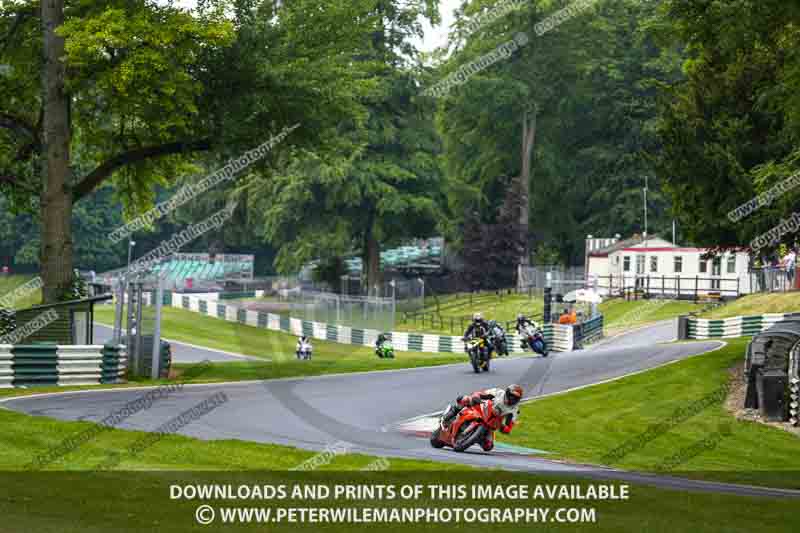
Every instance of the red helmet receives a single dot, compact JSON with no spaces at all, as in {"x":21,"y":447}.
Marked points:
{"x":513,"y":395}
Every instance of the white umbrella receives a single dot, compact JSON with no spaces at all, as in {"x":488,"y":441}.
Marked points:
{"x":583,"y":295}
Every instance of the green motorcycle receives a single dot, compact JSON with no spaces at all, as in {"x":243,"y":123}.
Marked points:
{"x":385,"y":350}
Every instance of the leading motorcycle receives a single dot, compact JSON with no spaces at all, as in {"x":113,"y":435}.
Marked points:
{"x":479,"y":354}
{"x":472,"y":426}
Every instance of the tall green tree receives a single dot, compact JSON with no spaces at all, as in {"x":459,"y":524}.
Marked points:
{"x":570,"y":113}
{"x":384,"y":183}
{"x":730,"y":128}
{"x":127,"y":91}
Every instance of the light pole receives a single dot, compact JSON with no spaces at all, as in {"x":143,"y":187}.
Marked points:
{"x":645,"y":211}
{"x":394,"y":301}
{"x":131,"y":244}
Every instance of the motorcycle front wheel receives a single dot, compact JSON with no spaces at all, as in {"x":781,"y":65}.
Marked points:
{"x":539,"y":347}
{"x":473,"y":359}
{"x":435,"y":441}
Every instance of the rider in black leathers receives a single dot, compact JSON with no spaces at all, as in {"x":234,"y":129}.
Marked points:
{"x":478,"y":328}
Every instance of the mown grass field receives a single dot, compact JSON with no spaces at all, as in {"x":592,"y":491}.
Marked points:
{"x":455,"y":311}
{"x":277,"y":349}
{"x":588,"y":424}
{"x":134,"y":495}
{"x":9,"y":283}
{"x":757,"y":304}
{"x":620,"y":315}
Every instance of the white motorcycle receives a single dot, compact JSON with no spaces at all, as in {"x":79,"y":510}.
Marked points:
{"x":304,"y":350}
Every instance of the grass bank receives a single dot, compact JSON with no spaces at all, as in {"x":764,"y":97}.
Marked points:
{"x":757,"y":304}
{"x":277,"y":349}
{"x":622,"y":424}
{"x":27,"y":299}
{"x":135,"y":494}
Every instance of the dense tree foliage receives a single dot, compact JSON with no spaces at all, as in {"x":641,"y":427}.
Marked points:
{"x":584,"y":90}
{"x":111,"y":111}
{"x":129,"y":91}
{"x":731,"y":128}
{"x":383,"y":185}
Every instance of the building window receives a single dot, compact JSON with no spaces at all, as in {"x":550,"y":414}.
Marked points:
{"x":653,"y":263}
{"x":626,"y":263}
{"x":703,"y":266}
{"x":640,"y":264}
{"x":678,"y":264}
{"x":731,"y":264}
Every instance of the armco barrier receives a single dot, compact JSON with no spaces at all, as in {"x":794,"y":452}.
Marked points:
{"x":51,"y":364}
{"x":560,"y":338}
{"x":591,"y":330}
{"x":739,"y":326}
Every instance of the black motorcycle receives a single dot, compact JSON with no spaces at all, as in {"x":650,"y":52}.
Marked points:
{"x":479,"y":353}
{"x":497,"y":338}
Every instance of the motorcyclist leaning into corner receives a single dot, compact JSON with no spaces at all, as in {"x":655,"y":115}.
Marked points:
{"x":506,"y":404}
{"x":380,"y":341}
{"x":523,"y":323}
{"x":478,"y":328}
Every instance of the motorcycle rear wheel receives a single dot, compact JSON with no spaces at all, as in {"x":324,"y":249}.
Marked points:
{"x":462,"y":442}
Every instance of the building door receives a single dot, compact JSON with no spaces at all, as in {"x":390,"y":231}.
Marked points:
{"x":639,"y":271}
{"x":716,"y":272}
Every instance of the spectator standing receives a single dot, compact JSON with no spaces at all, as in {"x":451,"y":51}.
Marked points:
{"x":789,"y":262}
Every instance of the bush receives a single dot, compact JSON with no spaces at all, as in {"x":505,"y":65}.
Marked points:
{"x":8,"y":321}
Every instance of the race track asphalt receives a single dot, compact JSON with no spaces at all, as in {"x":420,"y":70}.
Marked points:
{"x":363,"y":410}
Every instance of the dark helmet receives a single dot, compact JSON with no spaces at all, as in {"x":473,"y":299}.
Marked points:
{"x":513,"y":395}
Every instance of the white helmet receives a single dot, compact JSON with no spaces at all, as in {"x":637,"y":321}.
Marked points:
{"x":477,"y":316}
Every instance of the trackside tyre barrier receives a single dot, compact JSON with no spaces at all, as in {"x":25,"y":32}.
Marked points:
{"x":52,"y":364}
{"x":772,"y":373}
{"x":559,"y":337}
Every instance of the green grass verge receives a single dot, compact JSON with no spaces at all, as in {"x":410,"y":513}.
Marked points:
{"x":758,"y":304}
{"x":620,"y":315}
{"x":9,"y":283}
{"x":134,"y":496}
{"x":278,"y":348}
{"x":23,"y":437}
{"x":588,"y":424}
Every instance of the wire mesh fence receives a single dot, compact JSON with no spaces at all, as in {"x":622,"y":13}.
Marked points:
{"x":541,"y":276}
{"x":363,"y":312}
